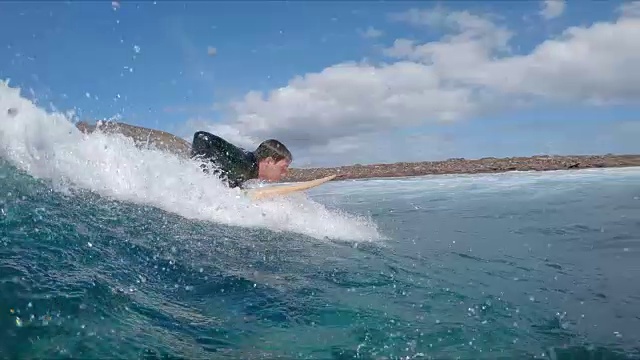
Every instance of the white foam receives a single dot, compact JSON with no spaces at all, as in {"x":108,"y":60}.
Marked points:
{"x":490,"y":182}
{"x":48,"y":145}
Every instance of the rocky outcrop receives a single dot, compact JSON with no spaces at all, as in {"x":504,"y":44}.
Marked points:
{"x":144,"y":137}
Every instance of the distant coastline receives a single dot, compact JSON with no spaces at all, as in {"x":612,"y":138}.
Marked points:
{"x":468,"y":166}
{"x":168,"y":142}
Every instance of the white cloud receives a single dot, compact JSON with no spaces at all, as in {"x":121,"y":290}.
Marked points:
{"x":468,"y":72}
{"x":475,"y":40}
{"x":552,"y":8}
{"x":377,"y":148}
{"x":350,"y":99}
{"x":630,"y":9}
{"x":370,"y":33}
{"x":594,"y":65}
{"x":226,"y":131}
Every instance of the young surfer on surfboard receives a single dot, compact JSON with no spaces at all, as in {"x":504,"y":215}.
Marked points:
{"x":270,"y":161}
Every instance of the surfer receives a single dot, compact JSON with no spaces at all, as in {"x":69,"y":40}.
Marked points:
{"x":234,"y":165}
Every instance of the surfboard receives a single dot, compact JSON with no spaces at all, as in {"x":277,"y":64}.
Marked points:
{"x":271,"y":191}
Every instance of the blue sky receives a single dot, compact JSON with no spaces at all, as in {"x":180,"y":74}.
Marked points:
{"x":148,"y":62}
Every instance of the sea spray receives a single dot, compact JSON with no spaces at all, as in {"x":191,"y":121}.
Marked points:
{"x":49,"y":146}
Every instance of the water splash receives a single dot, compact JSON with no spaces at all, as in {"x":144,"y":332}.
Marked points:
{"x":49,"y":146}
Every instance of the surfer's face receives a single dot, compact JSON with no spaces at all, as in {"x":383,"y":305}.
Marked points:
{"x":273,"y":170}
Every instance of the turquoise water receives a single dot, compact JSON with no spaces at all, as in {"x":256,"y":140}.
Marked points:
{"x":519,"y":265}
{"x":110,"y":251}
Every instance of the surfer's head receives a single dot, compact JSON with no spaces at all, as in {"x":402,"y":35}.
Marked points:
{"x":273,"y":160}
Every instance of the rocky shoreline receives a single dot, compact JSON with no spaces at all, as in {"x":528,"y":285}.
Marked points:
{"x":144,"y":137}
{"x":468,"y":166}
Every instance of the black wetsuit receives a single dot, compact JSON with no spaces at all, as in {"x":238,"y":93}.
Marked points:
{"x":235,"y":165}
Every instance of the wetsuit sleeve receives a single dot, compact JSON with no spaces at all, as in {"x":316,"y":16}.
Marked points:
{"x":231,"y":163}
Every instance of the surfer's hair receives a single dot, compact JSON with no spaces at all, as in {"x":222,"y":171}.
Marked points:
{"x":272,"y":149}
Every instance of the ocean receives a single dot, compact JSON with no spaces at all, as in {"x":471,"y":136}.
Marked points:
{"x":109,"y":251}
